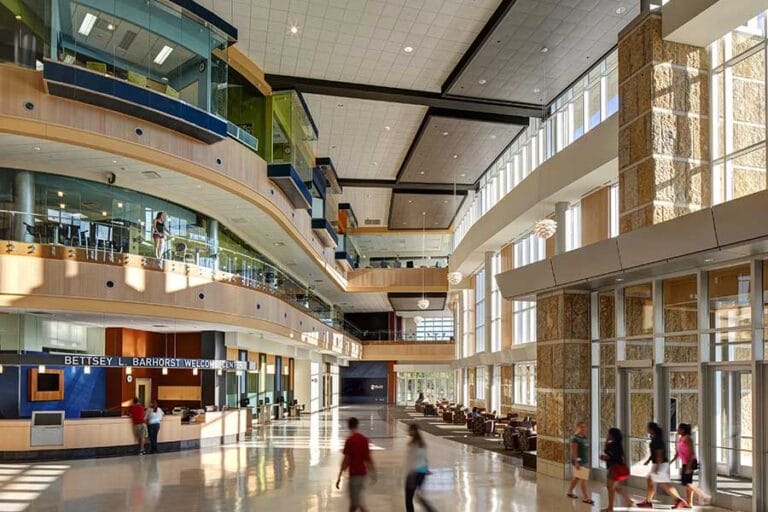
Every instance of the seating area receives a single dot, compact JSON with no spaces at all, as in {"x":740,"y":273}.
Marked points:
{"x":516,"y":435}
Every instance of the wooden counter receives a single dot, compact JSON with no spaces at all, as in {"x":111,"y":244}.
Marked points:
{"x":92,"y":434}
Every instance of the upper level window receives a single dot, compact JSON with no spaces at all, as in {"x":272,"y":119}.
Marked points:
{"x":573,"y":227}
{"x":435,"y":328}
{"x":496,"y":306}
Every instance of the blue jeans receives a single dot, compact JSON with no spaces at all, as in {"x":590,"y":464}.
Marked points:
{"x":413,"y":483}
{"x":154,"y":429}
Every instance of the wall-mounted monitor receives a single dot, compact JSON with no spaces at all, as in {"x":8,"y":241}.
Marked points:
{"x":46,"y":386}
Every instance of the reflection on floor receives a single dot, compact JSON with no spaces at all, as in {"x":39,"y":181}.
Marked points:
{"x":289,"y":466}
{"x":734,"y":486}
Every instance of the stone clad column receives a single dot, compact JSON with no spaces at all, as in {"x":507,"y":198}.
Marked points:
{"x":664,"y":151}
{"x":562,"y":375}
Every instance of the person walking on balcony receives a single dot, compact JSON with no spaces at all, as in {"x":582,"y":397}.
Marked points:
{"x":159,"y":233}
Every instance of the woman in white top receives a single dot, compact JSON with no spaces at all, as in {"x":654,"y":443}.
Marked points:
{"x":153,"y":417}
{"x":418,"y":470}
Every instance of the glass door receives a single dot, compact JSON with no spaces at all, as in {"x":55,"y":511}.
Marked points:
{"x":638,"y":396}
{"x":733,"y":435}
{"x":682,"y":386}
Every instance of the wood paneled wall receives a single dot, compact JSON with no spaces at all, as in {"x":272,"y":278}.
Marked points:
{"x":595,"y":216}
{"x":397,"y":280}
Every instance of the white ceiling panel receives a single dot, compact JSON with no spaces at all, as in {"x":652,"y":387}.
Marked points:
{"x":360,"y":41}
{"x":365,"y":139}
{"x":369,"y":204}
{"x":541,"y":46}
{"x":404,"y":244}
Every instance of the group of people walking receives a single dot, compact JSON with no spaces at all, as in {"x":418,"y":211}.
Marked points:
{"x":618,"y":471}
{"x":358,"y":462}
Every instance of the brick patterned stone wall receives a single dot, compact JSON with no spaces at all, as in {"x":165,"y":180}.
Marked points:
{"x":563,"y":375}
{"x":664,"y":169}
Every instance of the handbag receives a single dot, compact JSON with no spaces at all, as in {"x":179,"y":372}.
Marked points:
{"x":695,"y":464}
{"x":582,"y":473}
{"x":619,"y":472}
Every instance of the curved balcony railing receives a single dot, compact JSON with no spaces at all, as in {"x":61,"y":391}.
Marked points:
{"x":106,"y":240}
{"x":387,"y":336}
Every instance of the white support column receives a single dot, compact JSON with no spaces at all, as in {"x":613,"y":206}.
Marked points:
{"x":759,"y":417}
{"x":706,"y":407}
{"x":560,"y":235}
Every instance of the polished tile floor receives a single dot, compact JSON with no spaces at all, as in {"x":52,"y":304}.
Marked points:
{"x":286,"y":467}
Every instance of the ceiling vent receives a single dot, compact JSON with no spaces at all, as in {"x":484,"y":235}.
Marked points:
{"x":127,"y":40}
{"x":373,"y":222}
{"x":150,"y":175}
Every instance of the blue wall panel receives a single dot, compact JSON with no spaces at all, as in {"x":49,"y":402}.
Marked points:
{"x":81,"y":392}
{"x":9,"y":392}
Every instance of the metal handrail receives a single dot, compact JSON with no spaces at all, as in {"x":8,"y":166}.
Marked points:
{"x":65,"y":230}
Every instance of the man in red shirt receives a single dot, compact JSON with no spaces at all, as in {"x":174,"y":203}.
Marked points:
{"x":137,"y":413}
{"x":357,"y":458}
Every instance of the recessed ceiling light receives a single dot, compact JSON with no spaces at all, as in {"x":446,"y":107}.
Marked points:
{"x":621,"y":10}
{"x":294,"y":29}
{"x":110,"y":27}
{"x":387,"y":128}
{"x":455,"y":156}
{"x":60,"y":193}
{"x":114,"y":161}
{"x":536,"y":90}
{"x":493,"y":137}
{"x":162,"y":55}
{"x":89,"y":20}
{"x":408,"y":49}
{"x":36,"y":148}
{"x":375,"y":163}
{"x":482,"y":81}
{"x":544,"y":49}
{"x":708,"y":260}
{"x":18,"y":16}
{"x":619,"y":279}
{"x":410,"y":201}
{"x":462,"y":175}
{"x":279,"y":244}
{"x":119,"y":205}
{"x":62,"y":205}
{"x":445,"y":201}
{"x":421,"y":172}
{"x":103,"y":214}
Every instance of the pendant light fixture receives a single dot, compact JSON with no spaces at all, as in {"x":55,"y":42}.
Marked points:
{"x":454,"y":277}
{"x":423,"y":303}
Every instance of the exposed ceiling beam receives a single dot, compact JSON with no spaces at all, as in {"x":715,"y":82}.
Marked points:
{"x":461,"y":189}
{"x":480,"y":109}
{"x":493,"y":22}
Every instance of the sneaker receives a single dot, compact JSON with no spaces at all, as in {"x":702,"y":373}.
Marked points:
{"x":681,"y":504}
{"x":644,"y":504}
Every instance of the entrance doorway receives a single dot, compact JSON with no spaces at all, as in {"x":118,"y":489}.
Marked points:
{"x":144,"y":391}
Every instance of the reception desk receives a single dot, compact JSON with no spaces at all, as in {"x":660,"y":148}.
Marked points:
{"x":104,"y":437}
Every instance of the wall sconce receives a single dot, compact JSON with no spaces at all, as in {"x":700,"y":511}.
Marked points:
{"x":128,"y":370}
{"x":41,"y":368}
{"x":165,"y":371}
{"x":87,"y":370}
{"x":194,"y":371}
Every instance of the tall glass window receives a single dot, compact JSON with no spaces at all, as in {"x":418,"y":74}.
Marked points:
{"x":480,"y":311}
{"x":435,"y":328}
{"x":592,"y":99}
{"x":525,"y":383}
{"x":480,"y":383}
{"x":738,"y":92}
{"x":527,"y":250}
{"x":496,"y":306}
{"x":573,"y":227}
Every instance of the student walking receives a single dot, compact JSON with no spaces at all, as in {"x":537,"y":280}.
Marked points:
{"x":137,"y":414}
{"x":154,"y":417}
{"x":579,"y":460}
{"x":659,"y":470}
{"x":418,"y":469}
{"x":357,"y":459}
{"x":613,"y":455}
{"x":685,"y":451}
